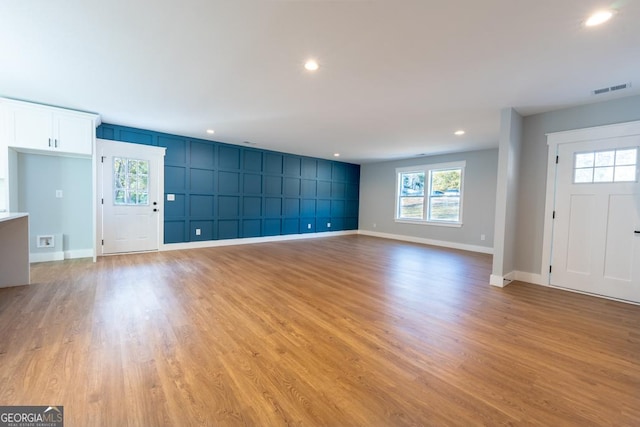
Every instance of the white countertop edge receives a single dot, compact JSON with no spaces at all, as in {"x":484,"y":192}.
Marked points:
{"x":8,"y":216}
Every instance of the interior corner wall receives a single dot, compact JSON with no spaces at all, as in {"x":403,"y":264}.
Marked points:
{"x":223,"y":191}
{"x":68,"y":217}
{"x":533,"y":168}
{"x":378,"y":192}
{"x":506,"y":195}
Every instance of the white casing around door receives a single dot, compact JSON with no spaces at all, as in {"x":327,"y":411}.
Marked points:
{"x":129,"y":227}
{"x":596,"y":230}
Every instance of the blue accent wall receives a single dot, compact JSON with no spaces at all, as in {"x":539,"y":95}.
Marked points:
{"x":230,"y":192}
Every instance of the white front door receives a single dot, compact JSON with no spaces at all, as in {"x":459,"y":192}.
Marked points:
{"x":596,"y":231}
{"x":131,"y":183}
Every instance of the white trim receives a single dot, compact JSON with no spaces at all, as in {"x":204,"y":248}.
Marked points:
{"x":424,"y":167}
{"x":60,"y":255}
{"x":442,"y":243}
{"x":251,"y":240}
{"x":422,"y":222}
{"x":597,"y":132}
{"x":547,"y":236}
{"x":130,"y":150}
{"x":78,"y":253}
{"x":427,"y":169}
{"x":500,"y":281}
{"x":536,"y":279}
{"x":554,"y":139}
{"x":47,"y":256}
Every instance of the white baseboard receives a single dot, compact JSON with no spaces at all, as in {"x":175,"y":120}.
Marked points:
{"x":501,"y":281}
{"x":78,"y":253}
{"x":536,"y":279}
{"x":60,"y":255}
{"x":520,"y":276}
{"x":442,"y":243}
{"x":496,"y":280}
{"x":251,"y":240}
{"x":46,"y":256}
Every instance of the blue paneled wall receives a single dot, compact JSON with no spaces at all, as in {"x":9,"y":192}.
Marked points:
{"x":231,"y":192}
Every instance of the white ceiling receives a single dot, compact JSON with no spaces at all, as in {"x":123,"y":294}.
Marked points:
{"x":397,"y":77}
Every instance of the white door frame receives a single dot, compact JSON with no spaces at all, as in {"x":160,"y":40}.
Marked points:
{"x":554,"y":140}
{"x":129,"y":149}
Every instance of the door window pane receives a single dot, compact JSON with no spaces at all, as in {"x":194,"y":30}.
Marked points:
{"x":626,"y":157}
{"x":625,"y":174}
{"x":605,"y":166}
{"x":605,"y":158}
{"x":130,"y":181}
{"x":584,"y":160}
{"x":603,"y":175}
{"x":583,"y":175}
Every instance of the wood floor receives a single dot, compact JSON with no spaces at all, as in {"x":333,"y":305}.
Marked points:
{"x":337,"y":331}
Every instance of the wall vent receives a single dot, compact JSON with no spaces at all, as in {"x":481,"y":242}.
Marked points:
{"x":612,"y":88}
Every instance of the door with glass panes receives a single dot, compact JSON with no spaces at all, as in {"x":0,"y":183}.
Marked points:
{"x":596,"y":233}
{"x":130,"y":180}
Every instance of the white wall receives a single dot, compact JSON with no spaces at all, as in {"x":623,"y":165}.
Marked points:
{"x":378,"y":192}
{"x":68,"y":218}
{"x":532,"y":174}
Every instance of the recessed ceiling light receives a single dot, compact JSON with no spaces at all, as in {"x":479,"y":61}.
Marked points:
{"x":459,"y":132}
{"x":311,"y":65}
{"x":336,"y":154}
{"x":598,"y":18}
{"x":211,"y":131}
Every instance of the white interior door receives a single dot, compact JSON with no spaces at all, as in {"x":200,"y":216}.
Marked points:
{"x":596,"y":232}
{"x":131,"y":180}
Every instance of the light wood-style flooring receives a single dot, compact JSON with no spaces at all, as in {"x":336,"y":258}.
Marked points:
{"x":336,"y":331}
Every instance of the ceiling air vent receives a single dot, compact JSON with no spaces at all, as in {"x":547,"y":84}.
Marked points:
{"x":612,"y":88}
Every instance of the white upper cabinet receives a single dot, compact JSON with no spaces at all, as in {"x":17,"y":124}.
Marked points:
{"x":42,"y":128}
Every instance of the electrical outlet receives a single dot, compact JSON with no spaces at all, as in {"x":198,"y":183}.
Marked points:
{"x":58,"y":194}
{"x":198,"y":232}
{"x":374,"y":225}
{"x":328,"y":225}
{"x":309,"y":226}
{"x":482,"y":237}
{"x":171,"y":197}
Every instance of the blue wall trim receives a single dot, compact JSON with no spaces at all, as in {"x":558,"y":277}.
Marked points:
{"x":230,"y":192}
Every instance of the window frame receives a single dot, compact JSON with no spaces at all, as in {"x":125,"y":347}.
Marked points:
{"x":427,"y":170}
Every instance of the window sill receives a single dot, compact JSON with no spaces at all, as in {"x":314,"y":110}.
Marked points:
{"x":436,"y":223}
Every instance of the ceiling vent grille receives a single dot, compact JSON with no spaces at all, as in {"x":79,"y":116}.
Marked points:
{"x":612,"y":88}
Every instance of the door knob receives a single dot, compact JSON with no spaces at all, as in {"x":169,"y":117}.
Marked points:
{"x":155,"y":209}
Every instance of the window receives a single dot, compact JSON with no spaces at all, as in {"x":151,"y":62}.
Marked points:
{"x":605,"y":166}
{"x":130,"y":181}
{"x":430,"y":193}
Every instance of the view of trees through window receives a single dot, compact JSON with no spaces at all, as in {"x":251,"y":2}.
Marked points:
{"x":412,"y":195}
{"x":444,"y":201}
{"x":432,"y":195}
{"x":130,"y":181}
